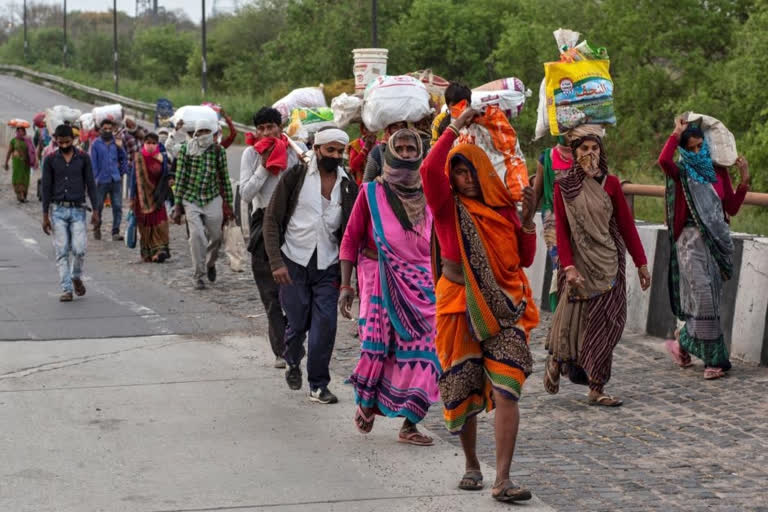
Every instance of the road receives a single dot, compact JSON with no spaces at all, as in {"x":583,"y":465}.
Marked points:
{"x":147,"y":395}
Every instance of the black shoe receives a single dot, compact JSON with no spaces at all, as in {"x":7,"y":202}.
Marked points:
{"x":97,"y":233}
{"x":200,"y":284}
{"x":79,"y":287}
{"x":323,"y":396}
{"x":293,"y":377}
{"x":117,"y":237}
{"x":212,"y":274}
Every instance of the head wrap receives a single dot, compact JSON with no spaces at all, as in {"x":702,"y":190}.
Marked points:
{"x":402,"y":181}
{"x":691,"y":131}
{"x":698,"y":166}
{"x":585,"y":130}
{"x":331,"y":135}
{"x":494,"y":192}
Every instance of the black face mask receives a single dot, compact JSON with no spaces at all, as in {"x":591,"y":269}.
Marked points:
{"x":67,"y":150}
{"x":328,"y":163}
{"x":106,"y":136}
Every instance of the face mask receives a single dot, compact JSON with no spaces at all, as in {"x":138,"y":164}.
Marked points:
{"x":162,"y":138}
{"x":205,"y":140}
{"x":67,"y":150}
{"x":328,"y":163}
{"x":106,"y":136}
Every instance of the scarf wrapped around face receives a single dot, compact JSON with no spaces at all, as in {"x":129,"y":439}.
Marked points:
{"x":402,"y":182}
{"x":698,"y":166}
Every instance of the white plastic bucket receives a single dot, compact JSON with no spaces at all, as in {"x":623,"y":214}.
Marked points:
{"x":370,"y":63}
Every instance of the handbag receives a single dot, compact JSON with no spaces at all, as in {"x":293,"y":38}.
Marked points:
{"x":130,"y":230}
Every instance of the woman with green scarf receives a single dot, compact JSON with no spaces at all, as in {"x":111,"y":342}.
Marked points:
{"x":699,"y":199}
{"x":22,"y":152}
{"x":553,"y":163}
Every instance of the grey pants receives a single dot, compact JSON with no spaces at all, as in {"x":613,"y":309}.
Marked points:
{"x":205,"y":234}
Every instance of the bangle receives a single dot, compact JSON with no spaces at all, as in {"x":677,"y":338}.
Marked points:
{"x":529,"y":230}
{"x":453,"y":129}
{"x":566,"y":269}
{"x":346,"y":287}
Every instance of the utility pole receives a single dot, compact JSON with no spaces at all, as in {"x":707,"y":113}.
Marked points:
{"x":205,"y":63}
{"x":154,"y":9}
{"x":374,"y":27}
{"x":114,"y":45}
{"x":65,"y":33}
{"x":26,"y":42}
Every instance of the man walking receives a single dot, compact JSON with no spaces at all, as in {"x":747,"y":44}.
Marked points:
{"x":261,"y":166}
{"x":67,"y":176}
{"x":303,"y":227}
{"x":109,"y":164}
{"x":204,"y":193}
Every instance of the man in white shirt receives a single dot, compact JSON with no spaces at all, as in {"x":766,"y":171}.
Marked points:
{"x":258,"y":180}
{"x":303,"y":227}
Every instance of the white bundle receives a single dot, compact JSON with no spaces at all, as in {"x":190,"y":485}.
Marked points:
{"x":508,"y":100}
{"x":393,"y":99}
{"x":192,"y":114}
{"x":346,"y":110}
{"x":306,"y":97}
{"x":113,"y":113}
{"x":60,"y":114}
{"x":721,"y":142}
{"x":86,"y":122}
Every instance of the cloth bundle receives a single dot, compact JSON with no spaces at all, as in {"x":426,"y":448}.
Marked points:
{"x":721,"y":142}
{"x":393,"y":99}
{"x":60,"y":114}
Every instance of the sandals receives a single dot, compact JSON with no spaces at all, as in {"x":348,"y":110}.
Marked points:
{"x":363,"y":422}
{"x":552,"y":376}
{"x":415,"y":438}
{"x":472,"y":480}
{"x":509,"y":492}
{"x":682,"y":358}
{"x":713,"y":373}
{"x":604,"y":400}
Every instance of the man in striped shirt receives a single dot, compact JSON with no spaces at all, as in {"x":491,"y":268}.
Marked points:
{"x":204,"y":194}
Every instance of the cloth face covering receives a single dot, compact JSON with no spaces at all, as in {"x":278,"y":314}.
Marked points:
{"x":402,"y":179}
{"x":698,"y":166}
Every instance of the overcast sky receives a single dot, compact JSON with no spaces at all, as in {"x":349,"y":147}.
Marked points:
{"x":193,"y":8}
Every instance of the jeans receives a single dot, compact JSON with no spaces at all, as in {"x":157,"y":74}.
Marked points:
{"x":69,"y":238}
{"x":310,"y":305}
{"x":115,"y":191}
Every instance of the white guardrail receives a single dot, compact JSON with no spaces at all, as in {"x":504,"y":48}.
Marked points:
{"x":97,"y":94}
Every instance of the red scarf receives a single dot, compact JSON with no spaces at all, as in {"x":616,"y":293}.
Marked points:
{"x":278,"y":159}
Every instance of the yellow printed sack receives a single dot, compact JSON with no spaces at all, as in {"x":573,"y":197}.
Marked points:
{"x":578,"y":93}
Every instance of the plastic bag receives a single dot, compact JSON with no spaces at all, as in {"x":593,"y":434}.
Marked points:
{"x":306,"y":97}
{"x":347,"y":110}
{"x":130,"y":230}
{"x":435,"y":85}
{"x":542,"y":121}
{"x":112,"y":112}
{"x":19,"y":123}
{"x":234,"y":247}
{"x":578,"y":93}
{"x":393,"y":99}
{"x":192,"y":114}
{"x":509,"y":101}
{"x":722,"y":143}
{"x":60,"y":114}
{"x":306,"y":121}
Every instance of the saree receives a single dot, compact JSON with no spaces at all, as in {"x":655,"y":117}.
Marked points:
{"x":483,"y":324}
{"x":398,"y":368}
{"x":151,"y":217}
{"x":22,"y":160}
{"x":589,"y":319}
{"x":700,"y":260}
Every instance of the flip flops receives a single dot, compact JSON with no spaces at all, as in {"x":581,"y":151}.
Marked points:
{"x":605,"y":401}
{"x":551,"y":376}
{"x":471,"y":481}
{"x":363,"y":422}
{"x":509,"y":492}
{"x":415,"y":438}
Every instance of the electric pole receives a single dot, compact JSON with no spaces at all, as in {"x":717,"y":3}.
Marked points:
{"x":26,"y":43}
{"x":114,"y":45}
{"x":205,"y":64}
{"x":374,"y":28}
{"x":65,"y":33}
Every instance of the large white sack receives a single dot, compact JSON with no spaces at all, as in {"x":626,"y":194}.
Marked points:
{"x":112,"y":112}
{"x":307,"y":97}
{"x":346,"y":110}
{"x":542,"y":119}
{"x":393,"y":99}
{"x":510,"y":101}
{"x":192,"y":114}
{"x":59,"y":115}
{"x":721,"y":142}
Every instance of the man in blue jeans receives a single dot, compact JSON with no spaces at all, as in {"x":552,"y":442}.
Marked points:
{"x":67,"y":175}
{"x":109,"y":164}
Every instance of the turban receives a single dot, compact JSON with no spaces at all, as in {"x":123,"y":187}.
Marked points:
{"x":331,"y":135}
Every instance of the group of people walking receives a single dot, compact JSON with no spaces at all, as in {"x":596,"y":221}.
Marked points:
{"x":435,"y":245}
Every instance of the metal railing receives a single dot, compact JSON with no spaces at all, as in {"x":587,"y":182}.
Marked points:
{"x":633,"y":189}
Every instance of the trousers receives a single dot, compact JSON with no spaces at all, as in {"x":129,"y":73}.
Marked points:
{"x":205,"y":234}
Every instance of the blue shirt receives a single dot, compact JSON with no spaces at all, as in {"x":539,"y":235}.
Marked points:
{"x":108,"y":161}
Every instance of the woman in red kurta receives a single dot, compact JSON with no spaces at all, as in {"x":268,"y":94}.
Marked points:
{"x":485,"y":307}
{"x":593,"y":224}
{"x":148,"y":190}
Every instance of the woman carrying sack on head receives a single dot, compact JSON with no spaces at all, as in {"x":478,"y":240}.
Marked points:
{"x":21,"y":152}
{"x":699,"y":198}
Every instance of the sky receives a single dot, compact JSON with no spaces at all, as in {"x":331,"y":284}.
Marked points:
{"x":193,"y":8}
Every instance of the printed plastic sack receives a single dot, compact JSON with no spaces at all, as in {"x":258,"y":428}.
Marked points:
{"x":510,"y":102}
{"x":306,"y":97}
{"x":436,"y":86}
{"x":721,"y":142}
{"x":234,"y":247}
{"x":192,"y":114}
{"x":492,"y":132}
{"x":578,"y":93}
{"x":392,"y":99}
{"x":130,"y":230}
{"x":112,"y":112}
{"x":60,"y":114}
{"x":306,"y":121}
{"x":346,"y":110}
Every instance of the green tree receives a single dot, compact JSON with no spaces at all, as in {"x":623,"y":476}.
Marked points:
{"x":161,"y":54}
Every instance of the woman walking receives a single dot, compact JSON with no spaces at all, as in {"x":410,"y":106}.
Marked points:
{"x":594,"y":228}
{"x":149,"y":189}
{"x":21,"y":152}
{"x":388,"y":237}
{"x":699,"y":197}
{"x":553,"y":164}
{"x":485,"y":308}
